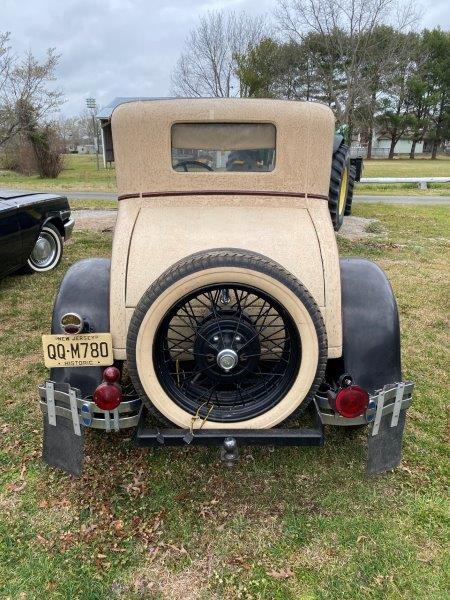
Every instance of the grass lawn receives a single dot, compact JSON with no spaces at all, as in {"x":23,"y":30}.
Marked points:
{"x":282,"y":525}
{"x":83,"y":204}
{"x":81,"y":174}
{"x":403,"y":167}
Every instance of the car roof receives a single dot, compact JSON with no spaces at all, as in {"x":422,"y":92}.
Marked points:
{"x":141,"y":132}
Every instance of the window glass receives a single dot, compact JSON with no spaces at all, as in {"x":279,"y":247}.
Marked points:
{"x":210,"y":147}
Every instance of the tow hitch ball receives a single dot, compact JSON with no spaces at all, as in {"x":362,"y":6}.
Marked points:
{"x":229,"y":452}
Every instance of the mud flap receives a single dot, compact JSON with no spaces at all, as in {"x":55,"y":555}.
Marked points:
{"x":384,"y":447}
{"x":61,"y":447}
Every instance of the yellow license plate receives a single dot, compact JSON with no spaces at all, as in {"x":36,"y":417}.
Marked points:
{"x":82,"y":350}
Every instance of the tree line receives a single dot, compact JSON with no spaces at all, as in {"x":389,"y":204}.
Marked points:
{"x":361,"y":58}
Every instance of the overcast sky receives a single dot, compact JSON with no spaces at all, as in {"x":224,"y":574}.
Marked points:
{"x":115,"y":48}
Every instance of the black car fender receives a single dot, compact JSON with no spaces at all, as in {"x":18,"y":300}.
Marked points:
{"x":370,"y":322}
{"x":85,"y":291}
{"x":56,"y":220}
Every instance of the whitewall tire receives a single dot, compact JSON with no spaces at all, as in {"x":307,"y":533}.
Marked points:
{"x":47,"y":251}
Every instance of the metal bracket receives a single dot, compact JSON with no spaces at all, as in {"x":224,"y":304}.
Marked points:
{"x":107,"y":421}
{"x":51,"y":409}
{"x":74,"y":411}
{"x":397,"y":404}
{"x":379,"y":413}
{"x":116,"y":420}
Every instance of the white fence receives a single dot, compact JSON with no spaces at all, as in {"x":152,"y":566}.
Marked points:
{"x":422,"y":182}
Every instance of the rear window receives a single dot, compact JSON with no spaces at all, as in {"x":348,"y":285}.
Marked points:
{"x":209,"y":147}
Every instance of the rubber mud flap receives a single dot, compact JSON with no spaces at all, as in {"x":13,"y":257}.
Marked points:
{"x":61,"y":447}
{"x":384,"y":450}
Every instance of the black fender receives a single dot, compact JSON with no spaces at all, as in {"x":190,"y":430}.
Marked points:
{"x":85,"y":291}
{"x":371,"y":329}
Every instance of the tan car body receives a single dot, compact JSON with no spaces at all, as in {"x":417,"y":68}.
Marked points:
{"x":165,"y":215}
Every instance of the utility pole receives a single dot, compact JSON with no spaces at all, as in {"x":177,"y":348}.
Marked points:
{"x":91,"y":104}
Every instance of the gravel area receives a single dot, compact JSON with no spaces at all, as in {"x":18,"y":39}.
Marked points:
{"x":95,"y":220}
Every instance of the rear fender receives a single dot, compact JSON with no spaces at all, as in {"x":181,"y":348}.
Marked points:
{"x":371,"y":331}
{"x":84,"y":290}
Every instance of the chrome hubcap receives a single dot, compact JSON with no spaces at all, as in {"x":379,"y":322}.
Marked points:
{"x":227,"y":359}
{"x":44,"y":251}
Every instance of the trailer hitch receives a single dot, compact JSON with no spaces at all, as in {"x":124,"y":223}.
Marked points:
{"x":229,"y":451}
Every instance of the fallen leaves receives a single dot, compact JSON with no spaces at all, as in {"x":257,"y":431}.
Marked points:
{"x":281,"y":574}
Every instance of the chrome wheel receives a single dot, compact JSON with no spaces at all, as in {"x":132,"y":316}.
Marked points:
{"x":47,"y":251}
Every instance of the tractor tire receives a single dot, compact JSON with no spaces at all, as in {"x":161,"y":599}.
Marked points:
{"x":187,"y":338}
{"x":351,"y":186}
{"x":339,"y":183}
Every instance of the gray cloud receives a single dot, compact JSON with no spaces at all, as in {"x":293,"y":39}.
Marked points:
{"x":124,"y":47}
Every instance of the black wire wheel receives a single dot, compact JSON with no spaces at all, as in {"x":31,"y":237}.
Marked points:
{"x":216,"y":342}
{"x":232,"y":348}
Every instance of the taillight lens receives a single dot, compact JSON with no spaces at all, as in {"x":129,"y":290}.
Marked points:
{"x":108,"y":396}
{"x":111,"y":375}
{"x":352,"y":401}
{"x":72,"y":323}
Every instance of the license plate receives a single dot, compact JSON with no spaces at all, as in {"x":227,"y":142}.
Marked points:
{"x":82,"y":350}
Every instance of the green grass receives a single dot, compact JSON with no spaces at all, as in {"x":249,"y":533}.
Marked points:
{"x":403,"y":167}
{"x":283,"y":524}
{"x":80,"y":174}
{"x":401,"y":189}
{"x":82,"y":204}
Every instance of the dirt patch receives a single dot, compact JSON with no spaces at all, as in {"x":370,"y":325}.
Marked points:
{"x":95,"y":220}
{"x":355,"y":228}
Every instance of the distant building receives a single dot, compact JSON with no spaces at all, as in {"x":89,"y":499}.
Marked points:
{"x":381,"y":146}
{"x":86,"y":149}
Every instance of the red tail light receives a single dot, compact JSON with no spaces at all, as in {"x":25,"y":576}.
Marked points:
{"x":108,"y":395}
{"x":111,"y":375}
{"x":352,"y":401}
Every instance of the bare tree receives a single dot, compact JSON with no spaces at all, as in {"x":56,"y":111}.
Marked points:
{"x":207,"y":67}
{"x":343,"y":34}
{"x":5,"y":59}
{"x":25,"y":82}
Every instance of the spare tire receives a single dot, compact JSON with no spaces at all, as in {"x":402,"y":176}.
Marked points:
{"x":226,"y":339}
{"x":339,"y":181}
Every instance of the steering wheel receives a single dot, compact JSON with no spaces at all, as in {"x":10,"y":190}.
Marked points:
{"x":196,"y":163}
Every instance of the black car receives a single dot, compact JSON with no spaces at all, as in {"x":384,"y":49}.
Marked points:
{"x":32,"y":230}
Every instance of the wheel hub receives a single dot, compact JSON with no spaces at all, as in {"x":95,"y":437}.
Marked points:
{"x":227,"y":347}
{"x":42,"y":250}
{"x":227,"y":359}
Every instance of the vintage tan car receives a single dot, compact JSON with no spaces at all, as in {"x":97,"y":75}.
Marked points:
{"x":225,"y":310}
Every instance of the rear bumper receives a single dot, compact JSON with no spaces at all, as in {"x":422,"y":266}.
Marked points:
{"x":68,"y":228}
{"x":390,"y":400}
{"x":60,"y":399}
{"x":64,"y":401}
